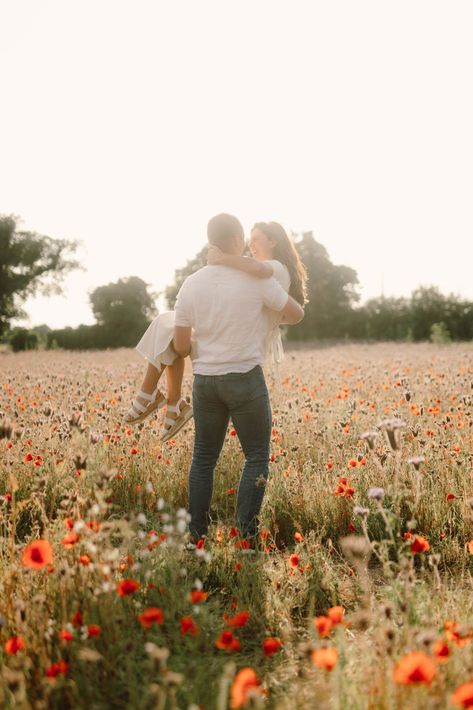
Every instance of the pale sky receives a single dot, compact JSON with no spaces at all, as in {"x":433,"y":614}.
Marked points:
{"x":128,"y":124}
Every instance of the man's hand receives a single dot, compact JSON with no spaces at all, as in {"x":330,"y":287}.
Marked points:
{"x":215,"y":256}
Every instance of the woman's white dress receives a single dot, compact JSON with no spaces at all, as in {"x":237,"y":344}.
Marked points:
{"x":155,"y":345}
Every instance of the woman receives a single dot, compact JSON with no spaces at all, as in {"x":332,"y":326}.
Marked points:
{"x":273,"y":254}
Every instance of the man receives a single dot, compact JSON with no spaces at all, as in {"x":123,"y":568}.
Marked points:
{"x":224,"y":308}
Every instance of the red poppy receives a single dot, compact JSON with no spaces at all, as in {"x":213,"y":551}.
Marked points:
{"x":65,"y":635}
{"x":420,"y":544}
{"x":150,"y":616}
{"x":246,"y":682}
{"x":325,"y":658}
{"x":414,"y":668}
{"x":13,"y":645}
{"x":61,"y":667}
{"x":463,"y":696}
{"x":70,"y":540}
{"x":93,"y":630}
{"x":323,"y":624}
{"x":441,"y":651}
{"x":335,"y":614}
{"x":77,"y":619}
{"x":294,"y":560}
{"x":240,"y":619}
{"x":271,"y":645}
{"x":227,"y":642}
{"x":188,"y":626}
{"x":197,"y":596}
{"x":37,"y":554}
{"x":127,"y":586}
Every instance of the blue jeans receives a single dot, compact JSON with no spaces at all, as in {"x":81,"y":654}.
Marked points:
{"x":216,"y":398}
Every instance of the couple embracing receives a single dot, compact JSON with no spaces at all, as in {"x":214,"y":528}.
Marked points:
{"x":227,"y":318}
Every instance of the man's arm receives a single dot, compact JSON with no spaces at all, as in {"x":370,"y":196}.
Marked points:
{"x":182,"y":340}
{"x":292,"y":312}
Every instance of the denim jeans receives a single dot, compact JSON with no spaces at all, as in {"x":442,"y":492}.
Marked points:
{"x":216,"y":398}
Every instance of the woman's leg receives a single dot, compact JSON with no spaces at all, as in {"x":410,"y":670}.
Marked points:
{"x":174,"y":376}
{"x":148,"y":386}
{"x":151,"y":378}
{"x":178,"y":411}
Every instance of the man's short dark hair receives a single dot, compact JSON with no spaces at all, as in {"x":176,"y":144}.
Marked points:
{"x":222,"y":228}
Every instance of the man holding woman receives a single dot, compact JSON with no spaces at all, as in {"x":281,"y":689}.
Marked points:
{"x":232,"y":309}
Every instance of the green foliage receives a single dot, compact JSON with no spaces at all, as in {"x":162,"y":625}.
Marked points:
{"x":30,"y":263}
{"x":439,"y":334}
{"x":23,"y":339}
{"x":123,"y":310}
{"x":331,"y":293}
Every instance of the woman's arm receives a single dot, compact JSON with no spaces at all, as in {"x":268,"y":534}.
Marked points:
{"x":253,"y":267}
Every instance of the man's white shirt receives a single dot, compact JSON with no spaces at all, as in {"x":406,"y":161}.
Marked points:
{"x":226,"y":310}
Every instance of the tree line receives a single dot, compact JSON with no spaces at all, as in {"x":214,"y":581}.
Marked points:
{"x":31,"y":263}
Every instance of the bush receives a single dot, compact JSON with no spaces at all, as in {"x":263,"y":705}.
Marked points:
{"x":439,"y":334}
{"x":23,"y":339}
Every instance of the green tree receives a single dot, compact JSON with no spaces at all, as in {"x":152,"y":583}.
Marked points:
{"x":123,"y":310}
{"x":331,"y":293}
{"x":29,"y":263}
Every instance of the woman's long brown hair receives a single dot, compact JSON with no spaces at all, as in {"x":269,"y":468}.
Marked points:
{"x":285,"y":252}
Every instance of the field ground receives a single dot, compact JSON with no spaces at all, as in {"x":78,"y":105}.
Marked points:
{"x":359,"y":598}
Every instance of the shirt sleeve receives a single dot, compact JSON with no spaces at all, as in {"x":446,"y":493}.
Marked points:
{"x":280,"y":273}
{"x":183,"y":307}
{"x":274,"y":296}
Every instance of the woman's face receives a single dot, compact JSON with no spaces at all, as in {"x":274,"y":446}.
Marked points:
{"x":261,"y":246}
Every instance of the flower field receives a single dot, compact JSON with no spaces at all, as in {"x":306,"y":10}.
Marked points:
{"x":359,"y":597}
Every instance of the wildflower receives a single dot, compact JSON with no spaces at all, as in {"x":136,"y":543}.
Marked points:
{"x":240,"y":619}
{"x":369,"y":437}
{"x":344,"y":490}
{"x":469,"y":547}
{"x":323,"y":624}
{"x":420,"y":544}
{"x":335,"y":614}
{"x":376,"y":493}
{"x":461,"y":636}
{"x":77,"y":619}
{"x":298,"y":537}
{"x":127,"y":586}
{"x":362,"y":512}
{"x":451,"y":496}
{"x":392,"y":428}
{"x":245,"y":685}
{"x":227,"y":642}
{"x":441,"y":651}
{"x":70,"y":540}
{"x":294,"y":560}
{"x":415,"y":667}
{"x":61,"y":667}
{"x":66,"y":635}
{"x":271,"y":646}
{"x":463,"y":696}
{"x":84,"y":560}
{"x":13,"y":645}
{"x":325,"y":658}
{"x":150,"y":616}
{"x":416,"y":461}
{"x":37,"y":554}
{"x":188,"y":626}
{"x":93,"y":630}
{"x":197,"y":596}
